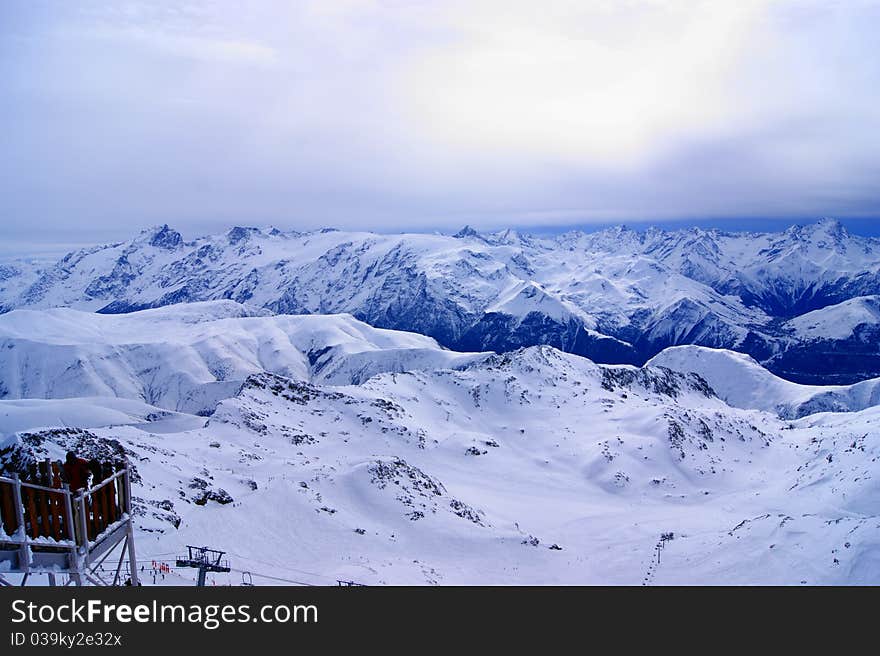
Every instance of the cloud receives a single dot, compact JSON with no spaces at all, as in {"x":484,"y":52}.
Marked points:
{"x":204,"y":49}
{"x":610,"y":83}
{"x":425,"y":114}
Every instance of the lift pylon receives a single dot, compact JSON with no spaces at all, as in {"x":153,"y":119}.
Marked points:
{"x":205,"y":560}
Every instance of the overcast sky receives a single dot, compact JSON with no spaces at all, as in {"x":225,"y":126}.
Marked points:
{"x":424,"y":115}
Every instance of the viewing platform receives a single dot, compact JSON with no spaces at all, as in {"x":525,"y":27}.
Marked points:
{"x":46,"y":528}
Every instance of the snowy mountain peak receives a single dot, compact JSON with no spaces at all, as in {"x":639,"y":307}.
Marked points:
{"x":165,"y":237}
{"x":507,"y":237}
{"x":467,"y":231}
{"x":825,"y":233}
{"x":239,"y":234}
{"x":832,"y":226}
{"x":527,"y":297}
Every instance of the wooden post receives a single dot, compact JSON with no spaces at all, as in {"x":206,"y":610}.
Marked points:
{"x":119,"y":493}
{"x":63,"y":528}
{"x":83,"y":524}
{"x":110,"y":494}
{"x":44,"y":501}
{"x":105,"y":495}
{"x":96,"y":516}
{"x":8,"y":509}
{"x":45,"y":480}
{"x":31,"y":501}
{"x":120,"y":486}
{"x":74,"y":566}
{"x":53,"y":503}
{"x":24,"y":562}
{"x":121,"y":499}
{"x":29,"y":494}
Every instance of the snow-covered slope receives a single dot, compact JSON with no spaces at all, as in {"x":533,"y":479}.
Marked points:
{"x":743,"y":383}
{"x":615,"y":296}
{"x":32,"y":414}
{"x":532,"y":467}
{"x":187,"y":357}
{"x":838,"y":322}
{"x":524,"y":298}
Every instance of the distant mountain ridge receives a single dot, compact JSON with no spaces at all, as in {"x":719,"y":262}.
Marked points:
{"x":743,"y":383}
{"x":188,"y":357}
{"x":801,"y":302}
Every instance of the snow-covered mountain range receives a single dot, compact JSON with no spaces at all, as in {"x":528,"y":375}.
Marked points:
{"x":316,"y":448}
{"x":477,"y":408}
{"x":802,"y":302}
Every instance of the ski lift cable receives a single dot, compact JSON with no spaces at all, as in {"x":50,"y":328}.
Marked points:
{"x":263,"y":562}
{"x":173,"y":566}
{"x":289,"y":569}
{"x":274,"y":578}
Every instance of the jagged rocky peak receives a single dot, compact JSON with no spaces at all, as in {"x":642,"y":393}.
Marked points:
{"x":826,"y":226}
{"x":832,"y":229}
{"x":467,"y":231}
{"x":832,"y":226}
{"x":619,"y":230}
{"x":609,"y":239}
{"x":165,"y":237}
{"x":240,"y":233}
{"x":827,"y":233}
{"x":506,"y":237}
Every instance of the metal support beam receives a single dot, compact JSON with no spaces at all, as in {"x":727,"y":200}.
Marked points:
{"x":132,"y":558}
{"x":119,"y":564}
{"x":205,"y":560}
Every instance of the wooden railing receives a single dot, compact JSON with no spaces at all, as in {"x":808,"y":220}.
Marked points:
{"x":104,"y":504}
{"x":47,"y":510}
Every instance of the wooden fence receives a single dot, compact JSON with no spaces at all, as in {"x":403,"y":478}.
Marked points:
{"x":43,"y":504}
